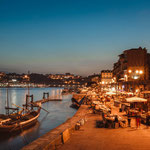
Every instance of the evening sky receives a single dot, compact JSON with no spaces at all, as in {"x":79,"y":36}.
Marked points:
{"x":77,"y":36}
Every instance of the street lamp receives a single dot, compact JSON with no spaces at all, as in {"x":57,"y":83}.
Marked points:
{"x":140,"y":72}
{"x":136,"y":74}
{"x":129,"y":71}
{"x":137,"y":71}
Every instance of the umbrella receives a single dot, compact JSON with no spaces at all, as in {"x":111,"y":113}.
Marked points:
{"x":146,"y":92}
{"x":110,"y":93}
{"x":127,"y":93}
{"x":135,"y":99}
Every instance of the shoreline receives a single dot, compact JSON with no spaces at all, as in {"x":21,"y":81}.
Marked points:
{"x":59,"y":135}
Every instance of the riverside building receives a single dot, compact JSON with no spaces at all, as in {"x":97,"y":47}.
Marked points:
{"x":132,"y":70}
{"x":106,"y":79}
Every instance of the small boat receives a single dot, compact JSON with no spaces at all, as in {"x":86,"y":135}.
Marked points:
{"x":19,"y":121}
{"x":76,"y":104}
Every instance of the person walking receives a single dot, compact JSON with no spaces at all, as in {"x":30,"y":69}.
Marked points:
{"x":129,"y":120}
{"x":147,"y":121}
{"x":116,"y":121}
{"x":138,"y":121}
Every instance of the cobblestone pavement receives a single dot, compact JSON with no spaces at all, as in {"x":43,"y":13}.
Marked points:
{"x":89,"y":137}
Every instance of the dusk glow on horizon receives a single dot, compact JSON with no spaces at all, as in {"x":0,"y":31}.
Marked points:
{"x":77,"y":36}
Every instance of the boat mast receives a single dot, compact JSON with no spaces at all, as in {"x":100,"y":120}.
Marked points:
{"x":7,"y":100}
{"x":28,"y":87}
{"x":28,"y":83}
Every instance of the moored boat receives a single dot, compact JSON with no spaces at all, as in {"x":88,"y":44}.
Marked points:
{"x":18,"y":122}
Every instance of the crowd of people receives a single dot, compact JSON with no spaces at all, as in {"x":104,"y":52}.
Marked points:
{"x":133,"y":120}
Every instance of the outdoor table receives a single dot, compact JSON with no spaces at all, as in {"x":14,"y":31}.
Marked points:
{"x":133,"y":112}
{"x":116,"y":103}
{"x":110,"y":122}
{"x":143,"y":118}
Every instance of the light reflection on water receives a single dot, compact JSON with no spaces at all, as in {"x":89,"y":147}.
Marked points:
{"x":59,"y":112}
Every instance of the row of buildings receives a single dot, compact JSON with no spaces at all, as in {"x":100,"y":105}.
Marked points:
{"x":130,"y":73}
{"x":21,"y":80}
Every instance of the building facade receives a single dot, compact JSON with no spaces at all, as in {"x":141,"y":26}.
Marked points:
{"x":132,"y":70}
{"x":106,"y":79}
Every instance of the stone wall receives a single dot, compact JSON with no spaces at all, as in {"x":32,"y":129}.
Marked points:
{"x":58,"y":136}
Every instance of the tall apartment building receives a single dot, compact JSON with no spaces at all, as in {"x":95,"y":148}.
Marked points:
{"x":132,"y":70}
{"x":106,"y":78}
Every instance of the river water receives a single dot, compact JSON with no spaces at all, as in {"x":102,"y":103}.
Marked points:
{"x":60,"y":111}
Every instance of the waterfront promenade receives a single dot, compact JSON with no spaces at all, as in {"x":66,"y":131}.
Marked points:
{"x":89,"y":137}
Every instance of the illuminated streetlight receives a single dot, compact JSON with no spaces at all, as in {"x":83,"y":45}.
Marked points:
{"x":26,"y":76}
{"x":130,"y":71}
{"x":140,"y":72}
{"x":135,"y":77}
{"x":136,"y":90}
{"x":137,"y":71}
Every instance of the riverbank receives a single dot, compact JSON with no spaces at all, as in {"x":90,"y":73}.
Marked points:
{"x":61,"y":134}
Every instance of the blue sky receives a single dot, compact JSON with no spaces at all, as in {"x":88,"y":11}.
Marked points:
{"x":77,"y":36}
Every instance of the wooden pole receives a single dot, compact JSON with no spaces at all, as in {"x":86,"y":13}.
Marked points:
{"x":28,"y":83}
{"x":7,"y":100}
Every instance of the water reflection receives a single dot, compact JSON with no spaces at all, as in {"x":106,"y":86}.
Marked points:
{"x":13,"y":97}
{"x":59,"y":112}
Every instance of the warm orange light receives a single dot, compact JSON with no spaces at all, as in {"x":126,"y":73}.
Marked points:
{"x":137,"y":71}
{"x":136,"y":90}
{"x":141,"y":72}
{"x":25,"y":76}
{"x":130,"y":71}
